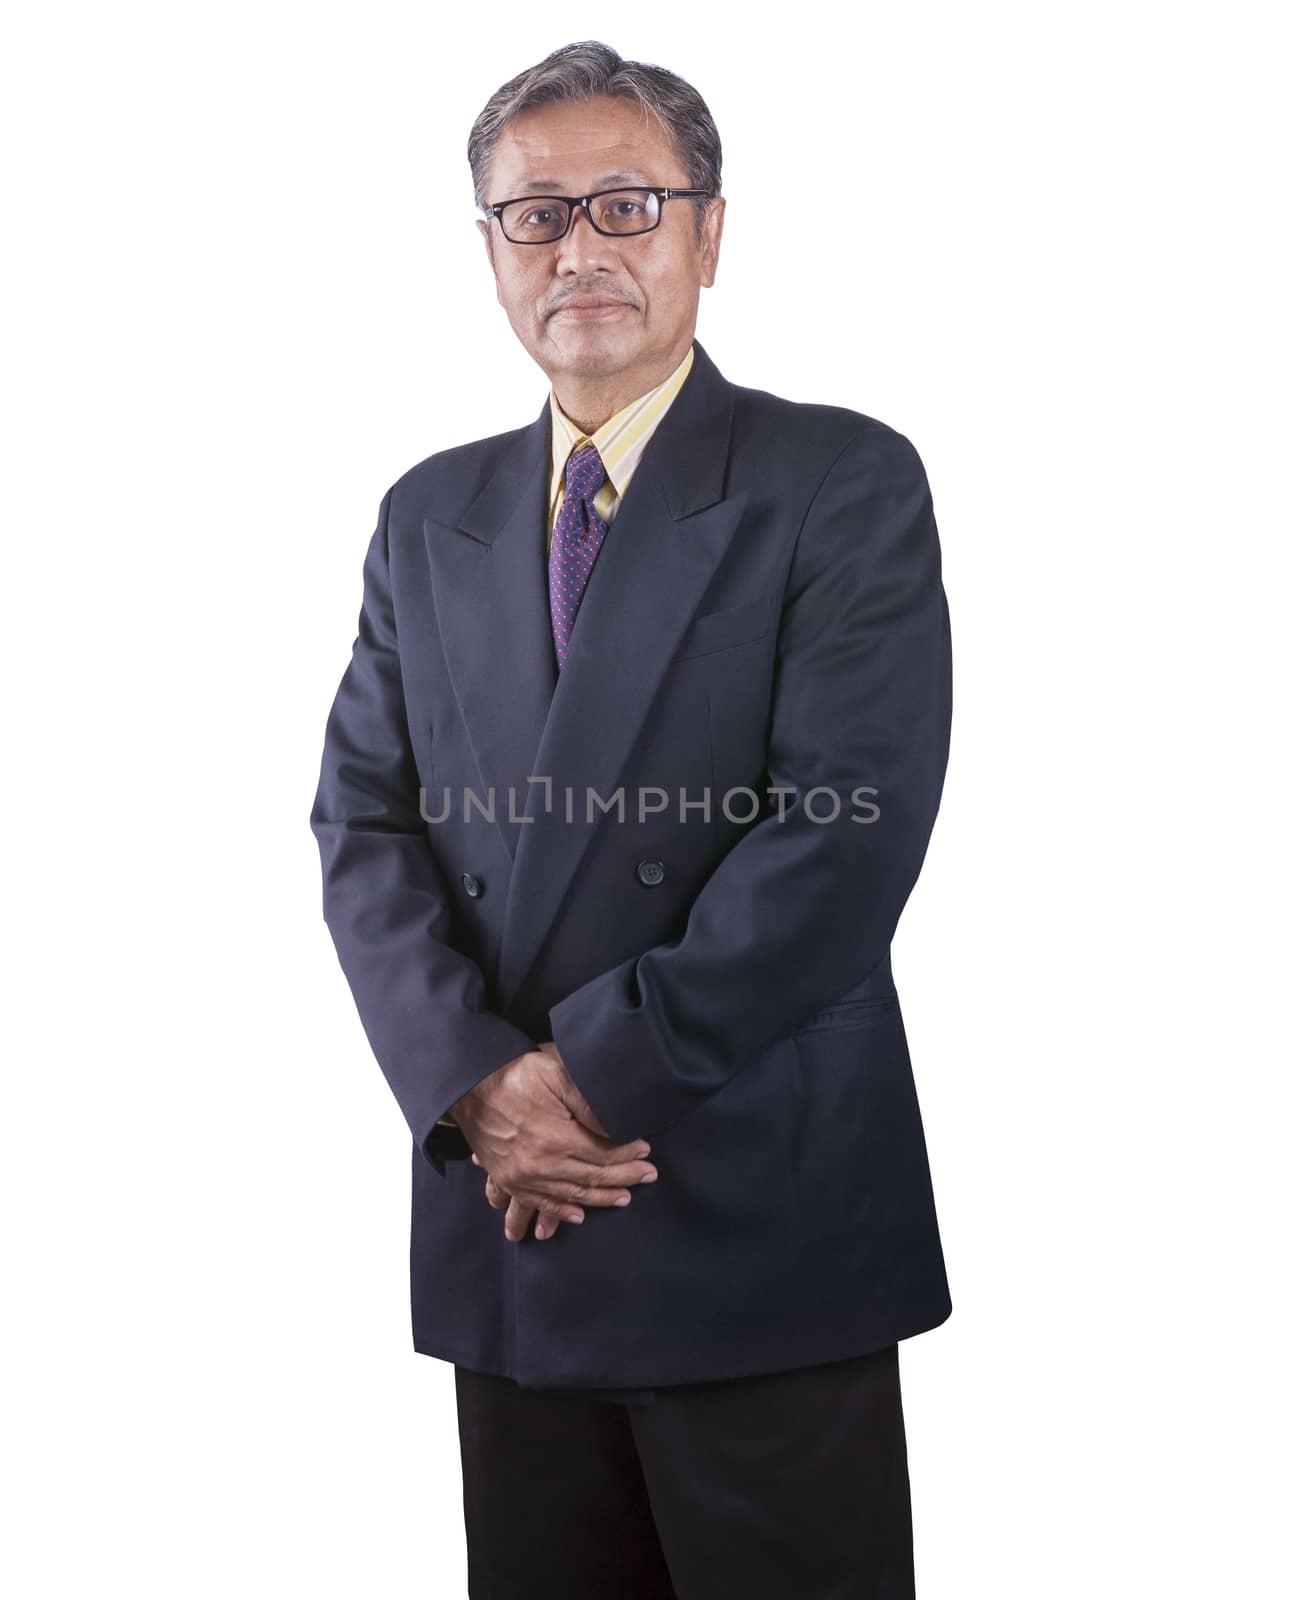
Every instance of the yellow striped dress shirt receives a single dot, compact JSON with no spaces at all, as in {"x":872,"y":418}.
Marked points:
{"x":619,"y":442}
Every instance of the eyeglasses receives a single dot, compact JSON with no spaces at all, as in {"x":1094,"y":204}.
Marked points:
{"x":544,"y":218}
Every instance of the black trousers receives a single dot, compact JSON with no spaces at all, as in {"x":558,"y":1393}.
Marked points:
{"x":784,"y":1486}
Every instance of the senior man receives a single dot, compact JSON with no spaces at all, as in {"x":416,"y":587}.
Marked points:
{"x":623,"y":792}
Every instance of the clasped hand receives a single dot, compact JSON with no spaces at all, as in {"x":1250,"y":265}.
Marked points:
{"x":543,"y":1148}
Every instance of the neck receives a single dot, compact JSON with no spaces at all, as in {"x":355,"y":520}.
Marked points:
{"x":590,"y":399}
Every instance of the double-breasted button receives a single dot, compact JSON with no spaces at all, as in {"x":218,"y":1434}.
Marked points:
{"x":650,"y":872}
{"x":473,"y":886}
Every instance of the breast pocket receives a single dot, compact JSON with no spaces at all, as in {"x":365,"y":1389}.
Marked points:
{"x":850,"y":1014}
{"x":723,"y":630}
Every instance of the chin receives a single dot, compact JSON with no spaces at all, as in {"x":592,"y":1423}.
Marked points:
{"x":593,"y":343}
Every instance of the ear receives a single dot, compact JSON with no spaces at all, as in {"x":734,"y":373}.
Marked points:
{"x":711,"y":240}
{"x":487,"y":233}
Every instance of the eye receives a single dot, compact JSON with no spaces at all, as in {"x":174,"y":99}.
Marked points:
{"x":542,"y":213}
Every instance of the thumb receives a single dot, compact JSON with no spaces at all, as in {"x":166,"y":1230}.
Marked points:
{"x":583,"y":1112}
{"x":570,"y":1094}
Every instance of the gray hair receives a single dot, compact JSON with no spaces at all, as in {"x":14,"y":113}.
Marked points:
{"x":581,"y":71}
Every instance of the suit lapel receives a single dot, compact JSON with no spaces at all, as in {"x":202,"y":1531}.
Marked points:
{"x":576,"y":728}
{"x":489,"y":583}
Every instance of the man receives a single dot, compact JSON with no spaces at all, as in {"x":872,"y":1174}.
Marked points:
{"x":622,"y":796}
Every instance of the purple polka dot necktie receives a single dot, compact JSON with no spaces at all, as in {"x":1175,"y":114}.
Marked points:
{"x":576,"y":538}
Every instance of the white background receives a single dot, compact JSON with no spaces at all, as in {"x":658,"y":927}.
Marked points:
{"x":245,"y":294}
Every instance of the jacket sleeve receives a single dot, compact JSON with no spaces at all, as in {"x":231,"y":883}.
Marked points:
{"x":385,"y":900}
{"x":802,"y":908}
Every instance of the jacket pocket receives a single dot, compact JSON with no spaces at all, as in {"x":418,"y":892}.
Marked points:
{"x":848,"y":1013}
{"x":721,"y":630}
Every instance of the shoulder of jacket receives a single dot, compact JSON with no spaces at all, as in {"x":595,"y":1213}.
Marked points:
{"x":815,"y":433}
{"x":462,"y":466}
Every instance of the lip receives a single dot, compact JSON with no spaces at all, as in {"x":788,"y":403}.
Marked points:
{"x":603,"y":308}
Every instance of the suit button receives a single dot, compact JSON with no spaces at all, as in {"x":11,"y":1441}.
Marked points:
{"x":650,"y":872}
{"x":473,"y":886}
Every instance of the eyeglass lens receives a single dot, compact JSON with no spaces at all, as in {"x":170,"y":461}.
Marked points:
{"x":541,"y":218}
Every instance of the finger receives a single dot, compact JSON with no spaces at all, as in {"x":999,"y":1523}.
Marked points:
{"x":564,"y":1198}
{"x":577,"y":1147}
{"x":585,"y":1134}
{"x":538,"y":1199}
{"x":582,"y":1184}
{"x":580,"y":1144}
{"x":583,"y":1113}
{"x":592,"y":1140}
{"x":611,"y":1174}
{"x":547,"y":1224}
{"x":516,"y":1223}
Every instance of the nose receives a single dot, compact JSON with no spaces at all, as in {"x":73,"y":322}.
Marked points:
{"x":583,"y":248}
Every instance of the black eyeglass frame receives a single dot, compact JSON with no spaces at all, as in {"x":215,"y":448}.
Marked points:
{"x":573,"y":202}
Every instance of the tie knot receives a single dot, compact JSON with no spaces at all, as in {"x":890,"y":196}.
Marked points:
{"x":585,"y":472}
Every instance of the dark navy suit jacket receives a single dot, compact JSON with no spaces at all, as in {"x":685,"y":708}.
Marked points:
{"x":767,"y":609}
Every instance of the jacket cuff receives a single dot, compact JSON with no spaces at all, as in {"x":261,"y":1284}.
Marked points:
{"x":445,"y":1142}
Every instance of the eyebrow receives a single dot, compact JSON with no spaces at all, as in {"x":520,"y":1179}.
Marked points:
{"x":605,"y":181}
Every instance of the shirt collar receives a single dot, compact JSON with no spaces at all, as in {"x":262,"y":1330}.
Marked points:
{"x":617,"y":437}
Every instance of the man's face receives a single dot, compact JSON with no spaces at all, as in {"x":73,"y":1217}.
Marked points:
{"x":649,"y":283}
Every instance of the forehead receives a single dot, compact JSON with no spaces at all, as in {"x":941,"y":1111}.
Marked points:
{"x":572,"y":146}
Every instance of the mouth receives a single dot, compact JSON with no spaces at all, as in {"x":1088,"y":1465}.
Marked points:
{"x":607,"y":308}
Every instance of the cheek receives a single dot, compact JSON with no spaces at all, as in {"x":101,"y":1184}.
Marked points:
{"x":664,"y":283}
{"x":522,"y":287}
{"x":525,"y":310}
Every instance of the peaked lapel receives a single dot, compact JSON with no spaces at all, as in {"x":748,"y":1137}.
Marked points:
{"x":575,"y":728}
